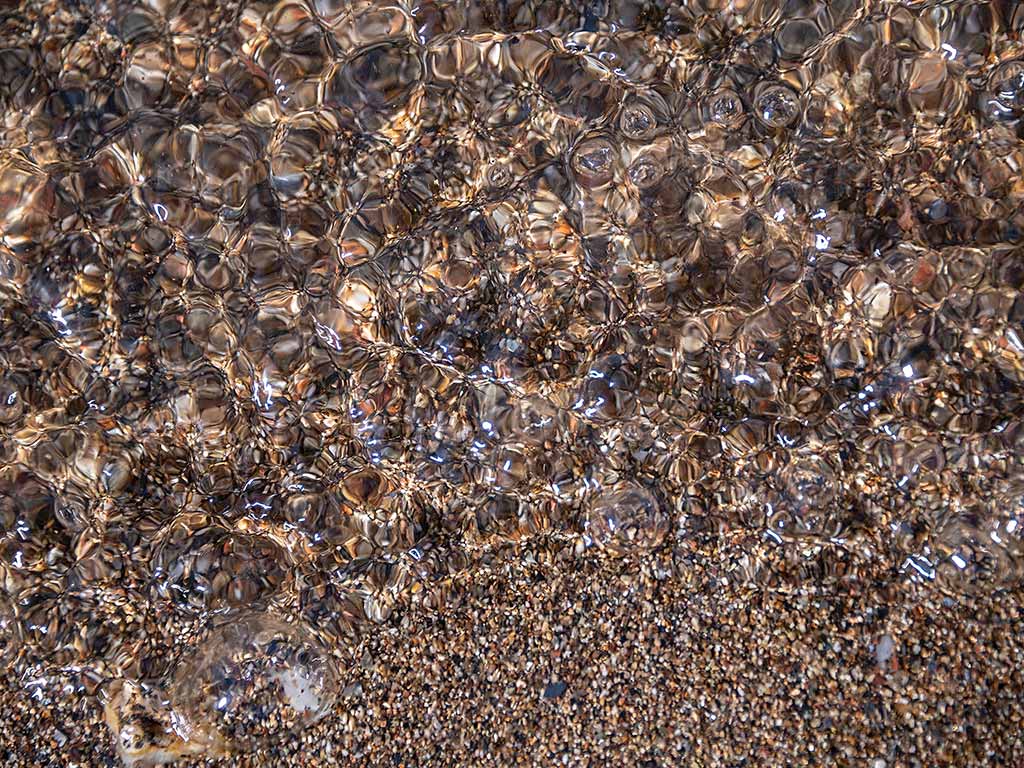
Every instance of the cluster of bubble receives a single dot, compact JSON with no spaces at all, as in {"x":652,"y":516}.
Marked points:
{"x":303,"y":301}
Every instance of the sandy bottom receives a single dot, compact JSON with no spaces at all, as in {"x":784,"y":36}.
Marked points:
{"x":653,"y":662}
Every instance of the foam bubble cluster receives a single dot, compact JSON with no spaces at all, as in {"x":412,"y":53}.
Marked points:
{"x":306,"y":305}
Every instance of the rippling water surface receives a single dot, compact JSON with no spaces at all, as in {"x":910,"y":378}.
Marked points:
{"x":304,"y":306}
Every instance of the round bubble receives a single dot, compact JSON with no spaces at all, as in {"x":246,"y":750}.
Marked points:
{"x":31,"y":531}
{"x":1007,"y":84}
{"x":976,"y":553}
{"x":637,"y":122}
{"x":809,"y":483}
{"x":724,"y":107}
{"x":776,"y":106}
{"x":594,"y":161}
{"x":808,"y":504}
{"x":627,"y":518}
{"x":200,"y":566}
{"x":381,"y":75}
{"x":251,"y":682}
{"x":645,"y":172}
{"x":12,"y":404}
{"x":608,"y":393}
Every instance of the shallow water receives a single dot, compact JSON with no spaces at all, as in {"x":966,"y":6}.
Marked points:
{"x":304,"y":306}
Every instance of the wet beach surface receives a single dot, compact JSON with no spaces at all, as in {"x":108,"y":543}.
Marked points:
{"x":512,"y":383}
{"x":661,"y":665}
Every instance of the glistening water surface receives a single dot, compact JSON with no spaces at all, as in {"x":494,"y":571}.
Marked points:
{"x":306,"y":306}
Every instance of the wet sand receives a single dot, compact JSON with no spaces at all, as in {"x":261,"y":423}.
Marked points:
{"x":652,"y":662}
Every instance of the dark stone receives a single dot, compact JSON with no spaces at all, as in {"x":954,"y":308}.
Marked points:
{"x":554,"y":690}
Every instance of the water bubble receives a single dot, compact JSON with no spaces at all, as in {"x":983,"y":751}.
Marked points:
{"x":594,"y":162}
{"x":608,"y":392}
{"x":534,"y":420}
{"x":62,"y":625}
{"x":933,"y":88}
{"x":626,"y":518}
{"x":9,"y":636}
{"x":645,"y":172}
{"x":297,"y":151}
{"x":795,"y":37}
{"x":693,"y":337}
{"x":637,"y":122}
{"x":724,"y":107}
{"x":978,"y":551}
{"x":31,"y":534}
{"x":574,"y":89}
{"x":380,"y":76}
{"x":809,"y":483}
{"x":499,"y":176}
{"x":921,"y":462}
{"x":510,"y":468}
{"x":1007,"y":85}
{"x":777,"y":106}
{"x":200,"y":565}
{"x":807,"y":502}
{"x":365,"y":487}
{"x":979,"y":544}
{"x":12,"y":403}
{"x":252,"y":681}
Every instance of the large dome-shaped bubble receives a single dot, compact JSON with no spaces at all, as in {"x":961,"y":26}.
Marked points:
{"x":252,"y":681}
